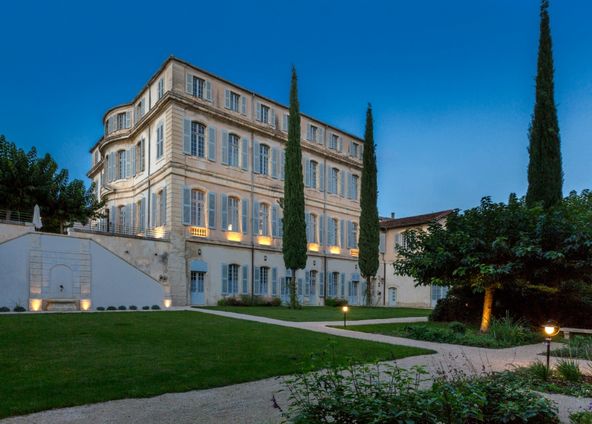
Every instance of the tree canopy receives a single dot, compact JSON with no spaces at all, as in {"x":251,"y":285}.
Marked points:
{"x":27,"y":179}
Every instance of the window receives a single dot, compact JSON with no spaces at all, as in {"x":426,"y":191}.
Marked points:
{"x":122,"y":121}
{"x":117,"y":122}
{"x":96,"y":157}
{"x":333,"y":236}
{"x":232,"y":280}
{"x":311,"y":228}
{"x":354,"y":187}
{"x":355,"y":149}
{"x":197,"y":208}
{"x":233,"y":214}
{"x":264,"y":159}
{"x":198,"y":139}
{"x":313,"y":133}
{"x":121,"y":159}
{"x":334,"y":181}
{"x":314,"y":166}
{"x":263,"y":219}
{"x":139,"y":216}
{"x":198,"y":87}
{"x":233,"y":150}
{"x":333,"y":282}
{"x":232,"y":100}
{"x":334,"y":141}
{"x":121,"y":218}
{"x":263,"y":115}
{"x":159,"y":141}
{"x":285,"y":122}
{"x":400,"y":240}
{"x":160,"y":90}
{"x":262,"y":285}
{"x":139,"y":110}
{"x":352,"y":236}
{"x":313,"y":282}
{"x":140,"y":156}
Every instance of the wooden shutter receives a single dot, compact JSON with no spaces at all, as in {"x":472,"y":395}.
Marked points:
{"x":243,"y":105}
{"x":274,"y":162}
{"x":245,"y":216}
{"x":212,"y":210}
{"x":274,"y":221}
{"x":274,"y":276}
{"x":227,"y":98}
{"x":245,"y":269}
{"x":245,"y":154}
{"x":307,"y":172}
{"x":258,"y":108}
{"x":186,"y":205}
{"x":255,"y":217}
{"x":212,"y":143}
{"x":224,"y":200}
{"x":224,"y":279}
{"x":224,"y":147}
{"x":256,"y":157}
{"x":208,"y":85}
{"x":187,"y":136}
{"x":189,"y":83}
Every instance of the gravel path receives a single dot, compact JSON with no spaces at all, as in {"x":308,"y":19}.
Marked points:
{"x":252,"y":402}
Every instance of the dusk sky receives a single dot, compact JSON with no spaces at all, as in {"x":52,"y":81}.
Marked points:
{"x":451,"y":83}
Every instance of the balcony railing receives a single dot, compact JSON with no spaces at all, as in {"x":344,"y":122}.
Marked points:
{"x":15,"y":217}
{"x":122,"y":230}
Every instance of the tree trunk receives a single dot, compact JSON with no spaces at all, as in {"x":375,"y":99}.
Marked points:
{"x":487,"y":306}
{"x":293,"y":298}
{"x":368,"y":294}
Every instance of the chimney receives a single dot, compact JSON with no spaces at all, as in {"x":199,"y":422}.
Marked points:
{"x":392,"y":215}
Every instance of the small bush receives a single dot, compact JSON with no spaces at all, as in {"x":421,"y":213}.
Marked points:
{"x":4,"y":309}
{"x":19,"y":308}
{"x":101,"y":308}
{"x":133,"y":308}
{"x":509,"y":331}
{"x":581,"y":417}
{"x":569,"y":370}
{"x":111,"y":308}
{"x":155,"y":307}
{"x":457,"y":327}
{"x":538,"y":371}
{"x":145,"y":308}
{"x":122,"y":308}
{"x":335,"y":301}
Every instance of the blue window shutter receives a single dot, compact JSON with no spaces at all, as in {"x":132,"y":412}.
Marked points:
{"x":153,"y":211}
{"x":243,"y":105}
{"x":255,"y":217}
{"x":321,"y":284}
{"x":257,"y":280}
{"x":245,"y":216}
{"x":322,"y":177}
{"x":307,"y":172}
{"x":322,"y":230}
{"x":258,"y":107}
{"x":274,"y":162}
{"x":224,"y":199}
{"x":212,"y":209}
{"x":132,"y":152}
{"x":274,"y":221}
{"x":209,"y":91}
{"x":282,"y":164}
{"x":142,"y":223}
{"x":128,"y":164}
{"x":189,"y":83}
{"x":285,"y":122}
{"x":342,"y":185}
{"x":186,"y":206}
{"x":224,"y":279}
{"x":132,"y":209}
{"x":187,"y":136}
{"x":342,"y":233}
{"x":245,"y":154}
{"x":212,"y":143}
{"x":227,"y":98}
{"x":307,"y":222}
{"x":349,"y":234}
{"x":256,"y":157}
{"x":274,"y":276}
{"x":307,"y":280}
{"x":127,"y":119}
{"x":245,"y":279}
{"x":342,"y":284}
{"x":272,"y":117}
{"x":224,"y":147}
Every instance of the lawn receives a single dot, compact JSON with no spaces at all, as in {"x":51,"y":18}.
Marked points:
{"x":324,"y":313}
{"x":441,"y":332}
{"x":58,"y":360}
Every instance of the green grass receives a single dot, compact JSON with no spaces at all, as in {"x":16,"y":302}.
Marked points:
{"x":323,"y":313}
{"x":58,"y":360}
{"x":440,"y":332}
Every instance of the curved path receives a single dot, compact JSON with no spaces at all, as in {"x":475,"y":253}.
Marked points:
{"x":253,"y":402}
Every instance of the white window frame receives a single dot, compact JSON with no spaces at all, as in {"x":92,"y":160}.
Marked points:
{"x":234,"y":213}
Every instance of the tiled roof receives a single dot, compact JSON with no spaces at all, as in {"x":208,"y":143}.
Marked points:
{"x":412,"y":221}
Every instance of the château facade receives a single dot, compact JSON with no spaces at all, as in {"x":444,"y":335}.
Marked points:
{"x":198,"y":162}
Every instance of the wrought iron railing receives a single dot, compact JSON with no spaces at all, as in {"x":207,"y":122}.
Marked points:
{"x":105,"y":227}
{"x":15,"y":217}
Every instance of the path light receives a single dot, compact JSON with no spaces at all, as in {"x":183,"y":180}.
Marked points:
{"x":345,"y":310}
{"x":551,"y":329}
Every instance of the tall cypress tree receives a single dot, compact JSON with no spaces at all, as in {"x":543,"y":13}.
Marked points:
{"x":545,"y":175}
{"x":294,"y":242}
{"x":369,"y":225}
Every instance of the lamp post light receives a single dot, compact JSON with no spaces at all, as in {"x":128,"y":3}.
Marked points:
{"x":345,"y":310}
{"x":551,"y":329}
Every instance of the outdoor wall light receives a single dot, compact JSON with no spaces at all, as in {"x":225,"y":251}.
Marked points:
{"x":345,"y":310}
{"x":551,"y":329}
{"x":265,"y":258}
{"x":198,"y":252}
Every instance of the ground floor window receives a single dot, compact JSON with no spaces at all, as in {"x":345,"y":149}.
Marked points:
{"x":230,"y":279}
{"x":438,"y":293}
{"x":333,"y":281}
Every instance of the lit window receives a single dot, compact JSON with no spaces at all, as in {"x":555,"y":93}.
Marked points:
{"x":263,"y":219}
{"x":233,"y":214}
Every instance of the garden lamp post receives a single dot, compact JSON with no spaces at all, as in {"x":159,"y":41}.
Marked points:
{"x":551,"y":329}
{"x":345,"y":310}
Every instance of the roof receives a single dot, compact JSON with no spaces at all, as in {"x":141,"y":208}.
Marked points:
{"x":412,"y":221}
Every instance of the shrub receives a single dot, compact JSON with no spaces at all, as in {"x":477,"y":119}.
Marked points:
{"x":457,"y":327}
{"x":111,"y":308}
{"x":577,"y":347}
{"x":19,"y":308}
{"x":101,"y":308}
{"x":569,"y":370}
{"x":122,"y":308}
{"x":4,"y":309}
{"x":335,"y":301}
{"x":155,"y":307}
{"x":388,"y":394}
{"x":538,"y":371}
{"x":145,"y":308}
{"x":581,"y":417}
{"x":509,"y":331}
{"x":133,"y":308}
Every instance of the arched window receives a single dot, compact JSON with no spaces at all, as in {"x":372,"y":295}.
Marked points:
{"x":263,"y":159}
{"x":198,"y":132}
{"x":197,"y":208}
{"x":263,"y":219}
{"x":233,"y":150}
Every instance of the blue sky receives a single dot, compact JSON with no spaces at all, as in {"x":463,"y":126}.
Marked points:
{"x":452,"y":83}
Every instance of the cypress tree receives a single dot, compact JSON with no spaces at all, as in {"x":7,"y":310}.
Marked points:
{"x":369,"y":225}
{"x":545,"y":175}
{"x":294,"y":242}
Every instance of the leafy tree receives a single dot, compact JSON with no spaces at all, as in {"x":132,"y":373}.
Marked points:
{"x":369,"y":225}
{"x":294,"y":242}
{"x":545,"y":175}
{"x":27,"y":180}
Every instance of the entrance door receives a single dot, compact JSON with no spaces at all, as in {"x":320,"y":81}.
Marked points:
{"x":197,"y":288}
{"x":392,"y":296}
